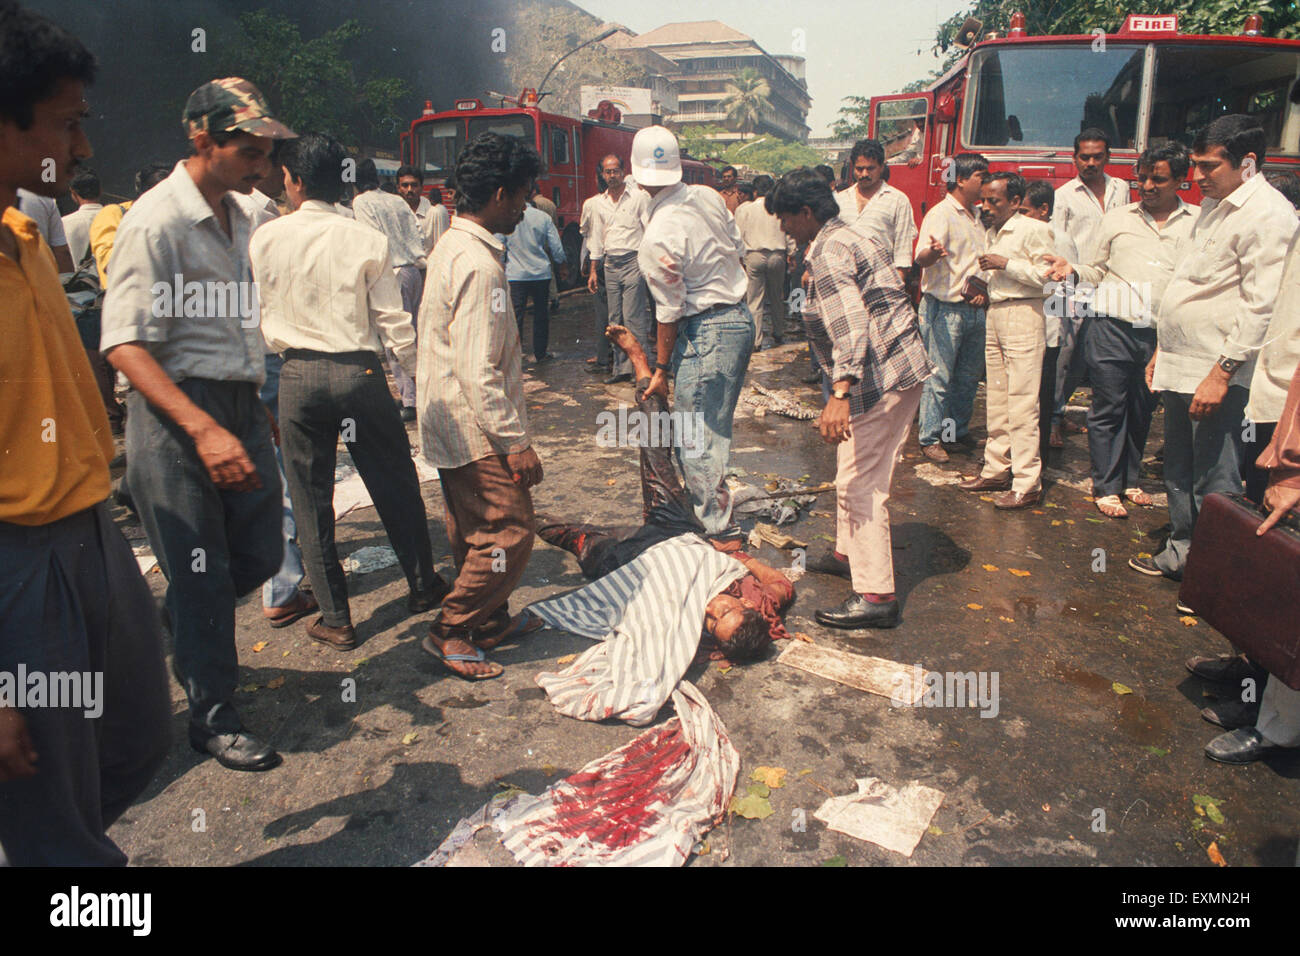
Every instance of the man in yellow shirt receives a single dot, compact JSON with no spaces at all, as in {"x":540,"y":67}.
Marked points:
{"x":103,"y":228}
{"x":84,"y":707}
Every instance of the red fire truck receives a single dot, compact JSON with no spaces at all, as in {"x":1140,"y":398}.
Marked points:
{"x":1020,"y":100}
{"x":571,"y":151}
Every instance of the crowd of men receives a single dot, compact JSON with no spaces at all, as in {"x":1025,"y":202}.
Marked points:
{"x":253,"y":339}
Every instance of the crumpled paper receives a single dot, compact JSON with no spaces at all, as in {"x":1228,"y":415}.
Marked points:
{"x":878,"y":813}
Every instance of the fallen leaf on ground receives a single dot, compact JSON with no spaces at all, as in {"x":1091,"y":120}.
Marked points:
{"x":548,"y":769}
{"x":976,"y":607}
{"x":1204,"y":799}
{"x":723,"y":670}
{"x":1009,"y":620}
{"x":1047,"y":808}
{"x":1055,"y":523}
{"x":249,"y":688}
{"x":411,"y":738}
{"x":932,"y":829}
{"x":986,"y":497}
{"x":285,"y":654}
{"x":835,"y":861}
{"x":801,"y":636}
{"x":1143,"y":554}
{"x":1188,"y":620}
{"x":1212,"y":851}
{"x":1159,"y":752}
{"x":1069,"y":521}
{"x":1121,"y":638}
{"x":759,"y":790}
{"x":259,"y":646}
{"x":752,"y":807}
{"x":567,"y":659}
{"x":1019,"y":573}
{"x":275,"y":683}
{"x":1214,"y":813}
{"x":612,"y":482}
{"x":772,"y":776}
{"x":990,"y":567}
{"x":803,"y":773}
{"x":1121,"y":689}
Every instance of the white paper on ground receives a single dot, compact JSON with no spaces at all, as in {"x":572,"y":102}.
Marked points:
{"x":903,"y":684}
{"x":350,"y":492}
{"x":879,"y":814}
{"x":365,"y":560}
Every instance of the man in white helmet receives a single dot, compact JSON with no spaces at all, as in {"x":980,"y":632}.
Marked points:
{"x":691,"y":256}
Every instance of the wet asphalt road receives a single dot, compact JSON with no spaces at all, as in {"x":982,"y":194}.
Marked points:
{"x":1067,"y":772}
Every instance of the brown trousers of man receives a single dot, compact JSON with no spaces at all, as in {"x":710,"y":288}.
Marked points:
{"x":490,"y":523}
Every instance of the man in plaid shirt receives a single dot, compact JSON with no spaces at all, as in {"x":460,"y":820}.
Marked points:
{"x":863,"y":330}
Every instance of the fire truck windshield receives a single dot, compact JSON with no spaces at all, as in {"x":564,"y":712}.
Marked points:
{"x":1041,"y":96}
{"x":437,"y":144}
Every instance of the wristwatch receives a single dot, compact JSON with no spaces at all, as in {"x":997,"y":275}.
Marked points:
{"x":841,"y":395}
{"x":1230,"y":365}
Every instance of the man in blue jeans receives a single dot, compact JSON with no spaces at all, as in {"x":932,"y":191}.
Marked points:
{"x":952,"y":311}
{"x":690,"y":256}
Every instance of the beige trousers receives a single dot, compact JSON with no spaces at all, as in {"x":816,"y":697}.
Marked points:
{"x":1279,"y":714}
{"x":1014,"y":346}
{"x":865,"y":468}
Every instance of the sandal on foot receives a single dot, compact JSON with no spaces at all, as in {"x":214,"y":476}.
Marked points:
{"x":1111,"y":506}
{"x":521,"y":625}
{"x":478,"y":657}
{"x":1139,"y":497}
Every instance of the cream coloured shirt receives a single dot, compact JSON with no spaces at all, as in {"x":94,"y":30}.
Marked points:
{"x":887,"y":216}
{"x":691,"y":252}
{"x":1026,"y":243}
{"x":964,"y":238}
{"x":759,"y":229}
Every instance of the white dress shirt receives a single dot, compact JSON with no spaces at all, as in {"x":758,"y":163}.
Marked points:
{"x":393,"y":217}
{"x":759,"y":229}
{"x":887,"y":216}
{"x":1221,"y":296}
{"x":963,"y":237}
{"x":433,"y":221}
{"x":1026,"y":243}
{"x":76,"y":227}
{"x":617,"y":227}
{"x":690,"y":254}
{"x":258,"y":206}
{"x":1280,"y":355}
{"x":326,"y":284}
{"x":45,"y":211}
{"x":1077,"y":212}
{"x":470,"y":383}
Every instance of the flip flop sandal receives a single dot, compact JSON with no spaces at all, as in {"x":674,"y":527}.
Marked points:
{"x":1139,"y":497}
{"x":1115,"y":506}
{"x":478,"y":657}
{"x":520,"y":626}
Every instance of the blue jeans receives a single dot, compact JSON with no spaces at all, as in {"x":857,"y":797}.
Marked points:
{"x":953,"y":333}
{"x":709,"y":364}
{"x":283,"y":588}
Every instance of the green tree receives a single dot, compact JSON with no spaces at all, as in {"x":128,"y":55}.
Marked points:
{"x":701,"y":142}
{"x":311,"y":84}
{"x":746,"y":101}
{"x":852,"y":121}
{"x":772,"y":154}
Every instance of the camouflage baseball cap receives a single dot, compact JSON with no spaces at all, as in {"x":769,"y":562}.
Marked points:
{"x":232,"y":103}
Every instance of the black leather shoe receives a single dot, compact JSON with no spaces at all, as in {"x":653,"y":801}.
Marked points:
{"x":857,"y":612}
{"x":621,"y":377}
{"x":1243,"y":745}
{"x":1231,"y":714}
{"x":827,"y":563}
{"x":1225,"y":669}
{"x":417,"y":602}
{"x":240,"y":751}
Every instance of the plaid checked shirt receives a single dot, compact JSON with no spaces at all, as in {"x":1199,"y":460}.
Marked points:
{"x":860,"y":321}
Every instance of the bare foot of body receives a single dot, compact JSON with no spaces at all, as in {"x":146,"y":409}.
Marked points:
{"x":622,"y":337}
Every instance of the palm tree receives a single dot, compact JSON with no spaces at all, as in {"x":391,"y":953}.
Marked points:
{"x":746,"y":101}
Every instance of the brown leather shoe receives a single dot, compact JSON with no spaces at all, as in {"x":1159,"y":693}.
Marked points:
{"x":302,"y":605}
{"x":339,"y":638}
{"x":935,"y":453}
{"x":979,"y":483}
{"x":417,"y":602}
{"x":1012,"y":500}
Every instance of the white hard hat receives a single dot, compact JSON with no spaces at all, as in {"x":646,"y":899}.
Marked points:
{"x":656,"y":159}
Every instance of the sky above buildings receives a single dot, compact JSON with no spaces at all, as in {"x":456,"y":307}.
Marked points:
{"x":861,"y":48}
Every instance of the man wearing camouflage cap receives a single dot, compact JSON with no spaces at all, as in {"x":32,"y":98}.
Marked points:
{"x":181,"y":322}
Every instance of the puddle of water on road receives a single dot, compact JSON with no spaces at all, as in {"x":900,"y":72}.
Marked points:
{"x":530,"y":693}
{"x":1137,"y":718}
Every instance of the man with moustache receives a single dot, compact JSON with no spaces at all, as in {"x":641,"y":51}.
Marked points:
{"x":617,"y":225}
{"x":877,"y":208}
{"x":200,"y":460}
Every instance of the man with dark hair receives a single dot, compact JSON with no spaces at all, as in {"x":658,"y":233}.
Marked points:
{"x":1213,"y":319}
{"x":826,"y":173}
{"x":1080,"y":204}
{"x":877,"y":208}
{"x":1015,"y":341}
{"x":953,"y":302}
{"x":862,"y":325}
{"x":1136,"y":249}
{"x":331,"y":314}
{"x":430,"y":213}
{"x":742,"y":619}
{"x":473,"y":420}
{"x":76,"y":225}
{"x":614,"y":232}
{"x":765,"y":254}
{"x":74,"y":605}
{"x":1288,"y":184}
{"x":391,"y":215}
{"x":532,"y":252}
{"x":727,"y":188}
{"x":213,"y":515}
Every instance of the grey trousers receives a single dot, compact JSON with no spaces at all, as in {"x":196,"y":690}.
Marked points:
{"x":72,"y":600}
{"x":321,"y":396}
{"x":214,"y":546}
{"x":629,"y":304}
{"x":1200,"y":458}
{"x":766,"y":271}
{"x":1279,"y":714}
{"x":600,"y":303}
{"x":411,"y":281}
